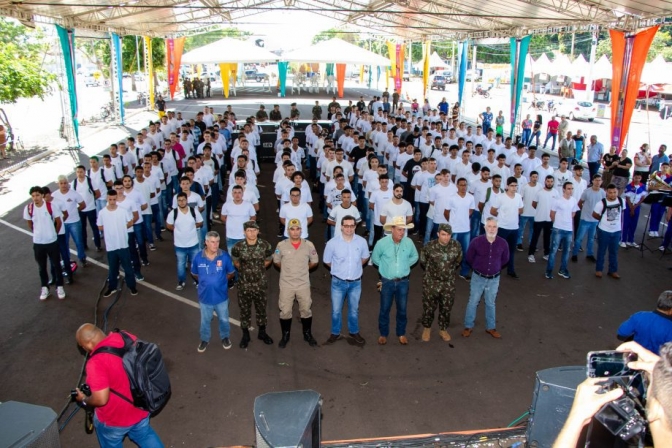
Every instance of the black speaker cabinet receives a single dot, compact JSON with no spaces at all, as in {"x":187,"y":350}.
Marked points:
{"x":553,"y":396}
{"x":25,"y":425}
{"x":288,"y":419}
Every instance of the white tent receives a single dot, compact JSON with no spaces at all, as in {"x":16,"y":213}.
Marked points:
{"x":580,"y":68}
{"x":435,"y":61}
{"x":602,"y":68}
{"x":561,"y":65}
{"x":336,"y":51}
{"x":656,"y":72}
{"x":228,"y":50}
{"x":541,"y":65}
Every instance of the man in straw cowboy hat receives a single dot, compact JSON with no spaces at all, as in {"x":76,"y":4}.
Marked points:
{"x":394,"y":255}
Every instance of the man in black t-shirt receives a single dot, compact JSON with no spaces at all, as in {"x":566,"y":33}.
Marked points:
{"x":409,"y":170}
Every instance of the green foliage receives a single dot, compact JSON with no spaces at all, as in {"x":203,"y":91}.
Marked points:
{"x":200,"y":40}
{"x":98,"y":52}
{"x":353,"y":38}
{"x":22,"y":53}
{"x":661,"y":45}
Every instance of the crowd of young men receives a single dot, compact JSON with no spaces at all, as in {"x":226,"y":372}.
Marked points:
{"x":463,"y":196}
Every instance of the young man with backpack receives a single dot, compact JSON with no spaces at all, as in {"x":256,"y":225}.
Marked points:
{"x":608,"y":214}
{"x":83,"y":185}
{"x":184,"y":222}
{"x":45,"y":222}
{"x":111,"y":387}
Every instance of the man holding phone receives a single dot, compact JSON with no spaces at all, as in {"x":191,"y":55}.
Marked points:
{"x":589,"y":398}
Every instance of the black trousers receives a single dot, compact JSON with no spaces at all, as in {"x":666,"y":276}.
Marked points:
{"x":51,"y":252}
{"x":546,"y":227}
{"x":377,"y":234}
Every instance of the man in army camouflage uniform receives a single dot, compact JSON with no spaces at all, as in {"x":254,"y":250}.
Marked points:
{"x":252,"y":257}
{"x":317,"y":111}
{"x":294,"y":113}
{"x":441,"y":260}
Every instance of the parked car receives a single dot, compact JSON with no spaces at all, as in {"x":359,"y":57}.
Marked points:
{"x":447,"y":74}
{"x":438,"y":82}
{"x":406,"y":76}
{"x":90,"y":80}
{"x":254,"y":75}
{"x":577,"y":110}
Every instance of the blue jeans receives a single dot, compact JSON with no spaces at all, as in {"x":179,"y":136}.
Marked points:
{"x":482,"y":287}
{"x":185,"y":256}
{"x":610,"y":241}
{"x":114,"y":259}
{"x":64,"y":249}
{"x":428,"y":230}
{"x":463,"y":238}
{"x":91,"y":217}
{"x":139,"y":231}
{"x":527,"y":133}
{"x":559,"y":237}
{"x":535,"y":135}
{"x":340,"y":289}
{"x":101,"y":203}
{"x":551,"y":136}
{"x":74,"y":230}
{"x":629,"y":225}
{"x":397,"y":291}
{"x":222,"y":310}
{"x":522,"y":223}
{"x":475,"y":223}
{"x":147,"y":228}
{"x":230,"y":242}
{"x":157,"y":216}
{"x":113,"y":436}
{"x":585,"y":228}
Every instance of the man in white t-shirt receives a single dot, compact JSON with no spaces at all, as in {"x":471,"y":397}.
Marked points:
{"x":458,"y":210}
{"x":379,"y":198}
{"x":528,"y":192}
{"x":115,"y":222}
{"x":396,"y":206}
{"x":507,"y":208}
{"x":345,"y":208}
{"x":295,"y":209}
{"x":45,"y":221}
{"x":562,"y":215}
{"x":608,"y":213}
{"x":562,"y":175}
{"x":184,"y":221}
{"x":234,"y":214}
{"x":89,"y":191}
{"x":542,"y":218}
{"x":73,"y":204}
{"x":486,"y":198}
{"x":531,"y":163}
{"x":133,"y":206}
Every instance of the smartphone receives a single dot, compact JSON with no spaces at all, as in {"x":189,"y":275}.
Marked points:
{"x":609,"y":363}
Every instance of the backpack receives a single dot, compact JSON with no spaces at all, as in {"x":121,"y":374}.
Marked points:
{"x":147,"y":374}
{"x":88,"y":181}
{"x":31,"y":209}
{"x":191,"y":209}
{"x":102,"y":175}
{"x":604,"y":207}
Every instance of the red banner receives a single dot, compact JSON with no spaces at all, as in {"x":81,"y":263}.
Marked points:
{"x":629,"y":56}
{"x":174,"y":49}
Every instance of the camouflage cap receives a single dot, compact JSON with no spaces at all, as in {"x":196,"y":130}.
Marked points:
{"x":250,"y":225}
{"x":446,"y":228}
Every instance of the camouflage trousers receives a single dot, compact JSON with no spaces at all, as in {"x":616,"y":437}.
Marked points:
{"x":443,"y":298}
{"x":245,"y":301}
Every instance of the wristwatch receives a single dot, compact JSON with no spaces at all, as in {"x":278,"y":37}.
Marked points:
{"x":83,"y":402}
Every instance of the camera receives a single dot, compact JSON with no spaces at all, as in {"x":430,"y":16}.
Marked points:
{"x":624,"y":417}
{"x":86,"y":390}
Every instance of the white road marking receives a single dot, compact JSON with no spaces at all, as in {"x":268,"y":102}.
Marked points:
{"x":143,"y":283}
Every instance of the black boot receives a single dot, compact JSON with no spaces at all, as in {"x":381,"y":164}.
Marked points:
{"x":286,"y":326}
{"x":246,"y":338}
{"x":263,"y":336}
{"x":307,"y":336}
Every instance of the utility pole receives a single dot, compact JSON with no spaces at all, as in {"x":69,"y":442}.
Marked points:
{"x":589,"y":79}
{"x":572,"y":51}
{"x":452,"y":59}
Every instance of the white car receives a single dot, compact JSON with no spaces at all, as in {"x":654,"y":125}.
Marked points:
{"x":577,"y":110}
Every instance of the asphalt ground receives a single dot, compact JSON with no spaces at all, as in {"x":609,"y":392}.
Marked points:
{"x":374,"y":391}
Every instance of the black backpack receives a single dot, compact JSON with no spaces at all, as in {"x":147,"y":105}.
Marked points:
{"x":191,"y":209}
{"x":147,"y":374}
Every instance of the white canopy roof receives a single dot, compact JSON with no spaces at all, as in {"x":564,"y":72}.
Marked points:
{"x":436,"y":61}
{"x":580,"y":67}
{"x":561,"y":65}
{"x":228,"y":50}
{"x":336,"y":51}
{"x":657,"y":72}
{"x":541,"y":65}
{"x":602,"y":68}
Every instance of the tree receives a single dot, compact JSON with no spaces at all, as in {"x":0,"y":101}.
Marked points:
{"x":661,"y":45}
{"x":22,"y":53}
{"x":200,"y":40}
{"x":98,"y":52}
{"x":335,"y":32}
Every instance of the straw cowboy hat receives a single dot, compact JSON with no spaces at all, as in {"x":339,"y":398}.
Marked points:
{"x":397,"y":221}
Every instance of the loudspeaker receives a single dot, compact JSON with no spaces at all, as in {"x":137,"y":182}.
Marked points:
{"x":552,"y":399}
{"x":25,"y":425}
{"x":288,"y":419}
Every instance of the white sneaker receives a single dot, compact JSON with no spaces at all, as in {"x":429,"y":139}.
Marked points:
{"x":635,"y":245}
{"x":44,"y":292}
{"x":657,"y":235}
{"x":531,"y":259}
{"x":661,"y":248}
{"x":546,"y":257}
{"x":624,"y":245}
{"x":60,"y":292}
{"x":652,"y":234}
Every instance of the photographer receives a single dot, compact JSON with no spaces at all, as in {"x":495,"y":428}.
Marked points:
{"x":115,"y":418}
{"x":588,"y":399}
{"x":650,"y":329}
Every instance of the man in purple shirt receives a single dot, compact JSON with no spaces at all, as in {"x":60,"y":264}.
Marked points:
{"x":487,"y":255}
